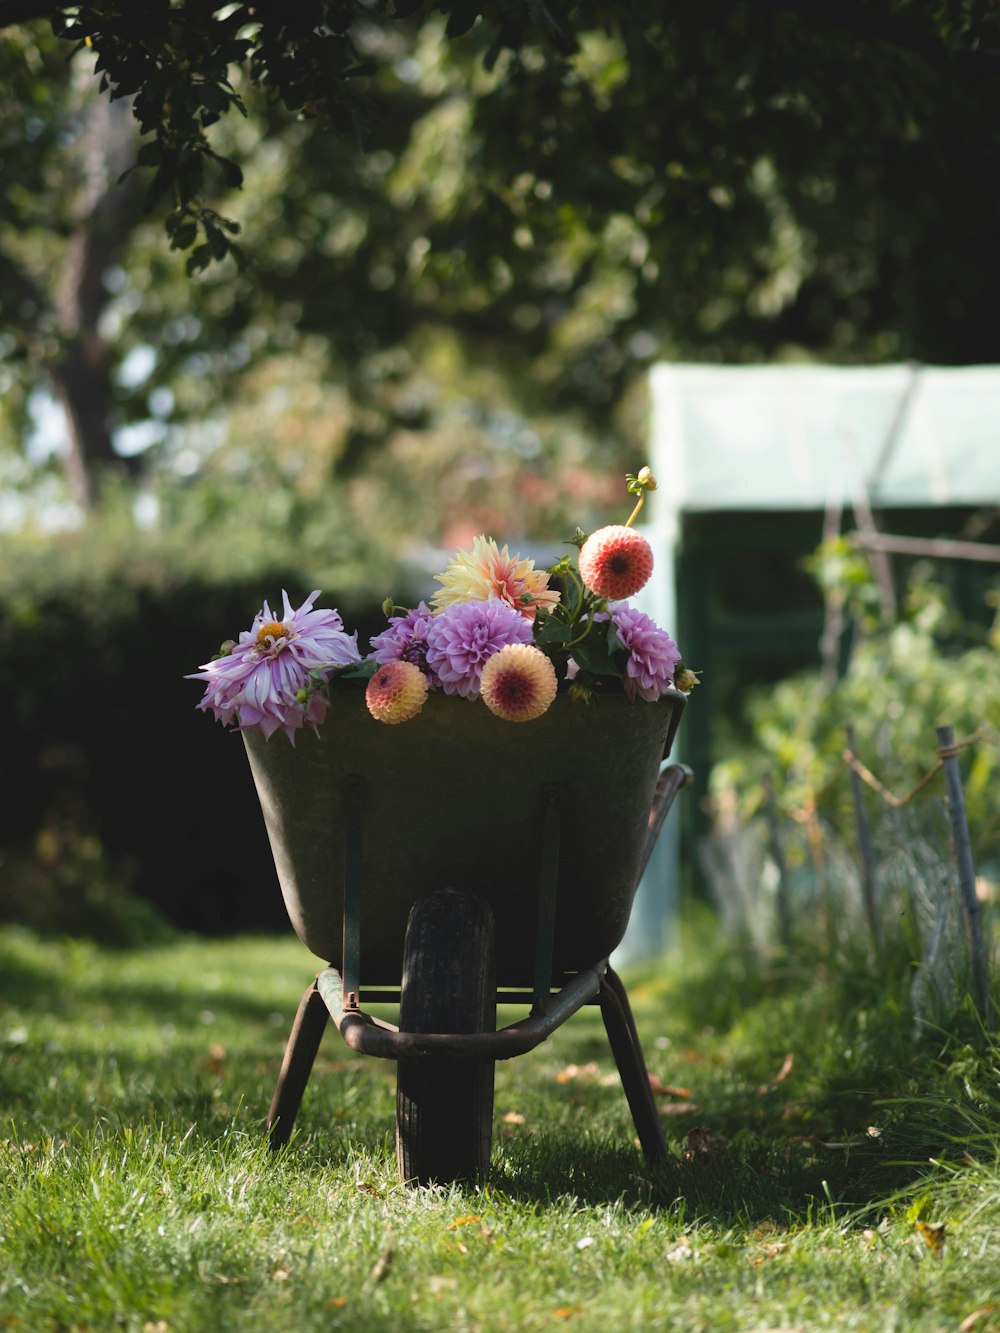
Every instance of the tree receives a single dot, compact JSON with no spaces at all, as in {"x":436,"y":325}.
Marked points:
{"x":567,"y":190}
{"x":52,"y":292}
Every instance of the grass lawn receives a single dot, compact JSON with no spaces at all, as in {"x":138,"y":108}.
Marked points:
{"x":821,"y":1151}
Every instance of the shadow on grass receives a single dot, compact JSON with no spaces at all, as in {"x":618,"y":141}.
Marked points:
{"x":55,"y":977}
{"x":736,"y":1183}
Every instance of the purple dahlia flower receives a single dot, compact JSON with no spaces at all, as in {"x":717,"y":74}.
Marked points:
{"x":465,"y":636}
{"x":652,"y":653}
{"x":406,"y":638}
{"x":272,"y":677}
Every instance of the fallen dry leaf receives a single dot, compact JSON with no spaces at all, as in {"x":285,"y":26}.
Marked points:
{"x":583,"y":1072}
{"x":667,"y":1089}
{"x":464,"y":1221}
{"x":976,"y":1317}
{"x":771,"y":1252}
{"x":780,"y":1076}
{"x":700,"y":1141}
{"x":513,"y":1118}
{"x":380,"y":1268}
{"x":933,"y":1235}
{"x":680,"y":1252}
{"x":280,"y":1275}
{"x":678,"y":1108}
{"x":785,"y":1070}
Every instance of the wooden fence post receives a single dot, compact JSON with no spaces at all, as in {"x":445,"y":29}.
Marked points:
{"x":948,"y":754}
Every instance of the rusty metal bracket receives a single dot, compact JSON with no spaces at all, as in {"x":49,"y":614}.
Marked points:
{"x":371,"y":1036}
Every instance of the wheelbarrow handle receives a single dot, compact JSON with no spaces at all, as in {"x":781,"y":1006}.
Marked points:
{"x":669,"y":783}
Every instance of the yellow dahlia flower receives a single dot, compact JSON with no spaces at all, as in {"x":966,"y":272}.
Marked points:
{"x":518,"y":683}
{"x":396,"y":692}
{"x":489,"y":571}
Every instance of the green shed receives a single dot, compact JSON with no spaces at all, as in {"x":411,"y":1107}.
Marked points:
{"x":754,"y":463}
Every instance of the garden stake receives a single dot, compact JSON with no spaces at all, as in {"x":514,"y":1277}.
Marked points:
{"x":778,"y":853}
{"x":948,"y":754}
{"x":865,"y":846}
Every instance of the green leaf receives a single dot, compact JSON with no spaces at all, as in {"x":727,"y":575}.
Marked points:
{"x":594,"y":657}
{"x":462,"y":17}
{"x":553,"y":632}
{"x":185,"y":236}
{"x":359,"y":670}
{"x":218,"y":242}
{"x":199,"y":259}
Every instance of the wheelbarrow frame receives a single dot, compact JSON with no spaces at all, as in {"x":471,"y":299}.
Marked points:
{"x":553,"y":996}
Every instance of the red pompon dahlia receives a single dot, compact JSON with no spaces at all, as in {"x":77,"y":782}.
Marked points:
{"x":615,"y":562}
{"x":396,"y":692}
{"x":518,"y":683}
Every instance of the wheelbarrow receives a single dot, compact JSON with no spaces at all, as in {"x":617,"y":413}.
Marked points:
{"x":453,"y":863}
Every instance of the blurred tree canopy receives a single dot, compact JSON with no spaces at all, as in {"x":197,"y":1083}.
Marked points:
{"x":381,"y":215}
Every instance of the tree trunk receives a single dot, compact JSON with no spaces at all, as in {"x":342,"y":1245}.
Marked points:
{"x":81,"y":371}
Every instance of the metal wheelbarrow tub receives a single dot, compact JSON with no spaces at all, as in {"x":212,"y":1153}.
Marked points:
{"x":447,"y":858}
{"x":457,"y":797}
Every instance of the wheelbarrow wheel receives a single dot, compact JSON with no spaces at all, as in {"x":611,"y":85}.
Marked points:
{"x":444,"y":1106}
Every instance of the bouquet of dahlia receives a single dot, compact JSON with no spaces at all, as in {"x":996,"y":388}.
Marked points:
{"x":497,"y":630}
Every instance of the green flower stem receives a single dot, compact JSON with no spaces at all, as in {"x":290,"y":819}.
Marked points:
{"x":635,"y":512}
{"x":580,"y":637}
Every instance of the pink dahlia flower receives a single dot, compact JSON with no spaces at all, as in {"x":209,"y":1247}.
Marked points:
{"x":653,"y":655}
{"x":615,"y":562}
{"x":272,"y":677}
{"x":465,"y":636}
{"x":406,"y":638}
{"x":396,"y":692}
{"x":518,"y":683}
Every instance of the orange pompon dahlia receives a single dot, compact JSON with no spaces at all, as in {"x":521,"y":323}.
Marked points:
{"x":518,"y":683}
{"x":396,"y":692}
{"x":490,"y":572}
{"x":615,"y":562}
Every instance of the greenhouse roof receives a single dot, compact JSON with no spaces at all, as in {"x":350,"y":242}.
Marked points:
{"x":805,"y":437}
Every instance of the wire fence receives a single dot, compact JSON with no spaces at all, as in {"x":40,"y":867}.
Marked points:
{"x":897,"y":879}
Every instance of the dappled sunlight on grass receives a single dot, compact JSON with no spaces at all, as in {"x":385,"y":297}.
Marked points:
{"x":140,"y":1189}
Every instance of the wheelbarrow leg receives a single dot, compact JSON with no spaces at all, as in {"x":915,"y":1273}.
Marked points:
{"x":300,"y":1052}
{"x":624,"y":1039}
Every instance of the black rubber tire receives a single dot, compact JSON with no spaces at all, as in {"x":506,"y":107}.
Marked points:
{"x":444,"y":1107}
